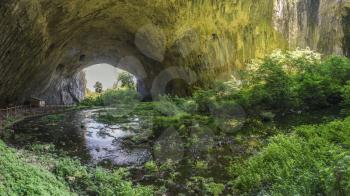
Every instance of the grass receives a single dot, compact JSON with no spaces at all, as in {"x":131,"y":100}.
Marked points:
{"x":7,"y":122}
{"x":54,"y":118}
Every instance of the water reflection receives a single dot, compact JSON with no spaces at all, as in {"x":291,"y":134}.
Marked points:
{"x":80,"y":135}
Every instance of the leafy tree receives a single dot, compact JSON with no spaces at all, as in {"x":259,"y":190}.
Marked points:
{"x":294,"y":80}
{"x":98,"y":87}
{"x":126,"y":80}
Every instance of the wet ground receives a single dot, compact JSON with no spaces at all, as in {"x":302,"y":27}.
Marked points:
{"x":78,"y":134}
{"x":128,"y":138}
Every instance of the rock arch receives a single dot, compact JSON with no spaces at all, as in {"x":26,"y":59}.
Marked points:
{"x":44,"y":43}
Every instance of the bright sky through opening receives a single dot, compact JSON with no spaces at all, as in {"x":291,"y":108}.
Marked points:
{"x":104,"y":73}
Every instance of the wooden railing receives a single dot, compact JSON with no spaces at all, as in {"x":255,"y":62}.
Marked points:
{"x":24,"y":111}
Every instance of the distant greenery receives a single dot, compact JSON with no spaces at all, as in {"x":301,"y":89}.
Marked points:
{"x":98,"y":87}
{"x":111,"y":97}
{"x":125,"y":80}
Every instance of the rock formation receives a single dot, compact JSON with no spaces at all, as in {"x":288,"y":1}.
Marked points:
{"x":44,"y":44}
{"x":67,"y":91}
{"x":317,"y":24}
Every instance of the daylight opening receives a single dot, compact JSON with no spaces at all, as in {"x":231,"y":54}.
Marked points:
{"x":102,"y":77}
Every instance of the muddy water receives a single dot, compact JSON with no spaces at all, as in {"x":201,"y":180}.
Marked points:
{"x":79,"y":135}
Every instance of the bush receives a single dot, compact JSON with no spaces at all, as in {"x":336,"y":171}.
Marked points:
{"x":111,"y":97}
{"x":313,"y":161}
{"x":205,"y":100}
{"x":346,"y":94}
{"x":168,"y":107}
{"x":68,"y":176}
{"x":274,"y":87}
{"x":92,"y":101}
{"x":97,"y":181}
{"x":204,"y":186}
{"x":321,"y":85}
{"x":294,"y":80}
{"x":20,"y":178}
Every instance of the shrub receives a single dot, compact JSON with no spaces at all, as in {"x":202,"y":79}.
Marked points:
{"x":97,"y":181}
{"x":205,"y":100}
{"x":205,"y":186}
{"x":111,"y":97}
{"x":92,"y":101}
{"x":168,"y":107}
{"x":274,"y":86}
{"x":313,"y":161}
{"x":151,"y":166}
{"x":20,"y":178}
{"x":321,"y":85}
{"x":294,"y":80}
{"x":346,"y":94}
{"x":68,"y":176}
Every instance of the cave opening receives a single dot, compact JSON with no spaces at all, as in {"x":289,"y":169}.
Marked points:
{"x":107,"y":77}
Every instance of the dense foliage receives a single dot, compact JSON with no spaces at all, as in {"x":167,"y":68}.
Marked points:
{"x":98,"y":87}
{"x":38,"y":172}
{"x":312,"y":161}
{"x":297,"y":80}
{"x":279,"y":128}
{"x":125,"y":80}
{"x":110,"y":98}
{"x":20,"y":178}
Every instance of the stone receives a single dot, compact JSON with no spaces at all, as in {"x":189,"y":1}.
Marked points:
{"x":45,"y":44}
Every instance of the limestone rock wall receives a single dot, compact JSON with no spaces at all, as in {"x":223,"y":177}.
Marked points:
{"x":317,"y":24}
{"x":66,"y":91}
{"x":44,"y":44}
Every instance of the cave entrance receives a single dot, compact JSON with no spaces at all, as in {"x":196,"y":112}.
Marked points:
{"x":102,"y":77}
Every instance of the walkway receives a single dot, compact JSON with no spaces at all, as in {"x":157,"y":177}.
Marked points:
{"x":25,"y":111}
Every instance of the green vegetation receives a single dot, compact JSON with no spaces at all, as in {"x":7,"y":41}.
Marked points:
{"x":54,"y":118}
{"x":314,"y":160}
{"x":296,"y":85}
{"x":279,"y":128}
{"x":98,"y":87}
{"x":111,"y":98}
{"x":125,"y":80}
{"x":297,"y":80}
{"x":7,"y":122}
{"x":38,"y":172}
{"x":20,"y":178}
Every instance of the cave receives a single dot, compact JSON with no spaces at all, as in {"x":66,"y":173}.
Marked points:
{"x":44,"y":45}
{"x":174,"y":97}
